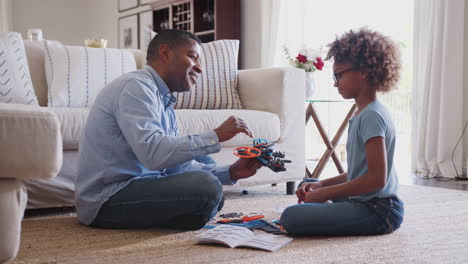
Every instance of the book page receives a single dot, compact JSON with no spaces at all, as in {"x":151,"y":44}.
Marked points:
{"x":229,"y":235}
{"x":267,"y":242}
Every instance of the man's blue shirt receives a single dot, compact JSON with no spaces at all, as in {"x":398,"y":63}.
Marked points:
{"x":132,"y":132}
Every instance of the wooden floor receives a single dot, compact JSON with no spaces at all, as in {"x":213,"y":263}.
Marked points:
{"x":407,"y":179}
{"x":435,"y":182}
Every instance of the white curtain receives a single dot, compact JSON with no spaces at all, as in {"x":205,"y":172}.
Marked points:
{"x":282,"y":22}
{"x":269,"y":13}
{"x":291,"y":23}
{"x":5,"y":15}
{"x":438,"y":87}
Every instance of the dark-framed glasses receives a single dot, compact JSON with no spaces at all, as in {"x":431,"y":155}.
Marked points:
{"x":337,"y":75}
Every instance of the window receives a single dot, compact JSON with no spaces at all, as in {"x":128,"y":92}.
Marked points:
{"x":314,"y":24}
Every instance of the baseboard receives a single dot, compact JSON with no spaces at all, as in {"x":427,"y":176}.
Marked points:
{"x":464,"y":175}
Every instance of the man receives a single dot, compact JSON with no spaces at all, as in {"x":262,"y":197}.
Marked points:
{"x":135,"y":171}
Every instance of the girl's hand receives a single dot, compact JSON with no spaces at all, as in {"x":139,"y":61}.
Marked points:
{"x":316,"y":196}
{"x":305,"y":187}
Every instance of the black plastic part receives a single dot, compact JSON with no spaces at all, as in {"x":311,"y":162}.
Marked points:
{"x":290,"y":187}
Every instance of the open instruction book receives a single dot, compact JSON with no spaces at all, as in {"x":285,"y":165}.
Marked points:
{"x":236,"y":236}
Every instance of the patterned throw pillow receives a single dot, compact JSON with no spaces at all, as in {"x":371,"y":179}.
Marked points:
{"x":15,"y":80}
{"x":216,"y":87}
{"x":75,"y":75}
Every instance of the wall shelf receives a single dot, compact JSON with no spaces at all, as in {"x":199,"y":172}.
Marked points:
{"x":205,"y":32}
{"x":208,"y":19}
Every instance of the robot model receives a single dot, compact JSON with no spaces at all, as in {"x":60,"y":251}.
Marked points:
{"x":262,"y":150}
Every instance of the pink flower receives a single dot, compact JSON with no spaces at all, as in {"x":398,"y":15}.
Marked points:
{"x":319,"y":64}
{"x":301,"y":58}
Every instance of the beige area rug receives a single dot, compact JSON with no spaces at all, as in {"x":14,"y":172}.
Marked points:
{"x":435,"y":230}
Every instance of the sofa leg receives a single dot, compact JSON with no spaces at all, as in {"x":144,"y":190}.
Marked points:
{"x":290,"y":187}
{"x":13,"y":200}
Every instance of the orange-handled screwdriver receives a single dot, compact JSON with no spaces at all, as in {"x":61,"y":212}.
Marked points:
{"x":253,"y":217}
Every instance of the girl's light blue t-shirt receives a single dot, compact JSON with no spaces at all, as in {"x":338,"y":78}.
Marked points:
{"x":373,"y":121}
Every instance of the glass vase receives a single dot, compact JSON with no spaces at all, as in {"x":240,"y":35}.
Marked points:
{"x":311,"y":86}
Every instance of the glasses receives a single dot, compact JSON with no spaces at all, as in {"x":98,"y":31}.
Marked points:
{"x":337,"y":75}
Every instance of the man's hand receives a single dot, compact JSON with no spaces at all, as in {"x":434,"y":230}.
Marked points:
{"x":231,"y":127}
{"x":244,"y":168}
{"x":305,"y":187}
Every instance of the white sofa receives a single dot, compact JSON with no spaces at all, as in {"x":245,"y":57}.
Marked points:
{"x":273,"y":101}
{"x":31,"y":148}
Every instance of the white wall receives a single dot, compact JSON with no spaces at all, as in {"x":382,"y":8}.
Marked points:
{"x":66,"y":20}
{"x":104,"y":15}
{"x":69,"y":21}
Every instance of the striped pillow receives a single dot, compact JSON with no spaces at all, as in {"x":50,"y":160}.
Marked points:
{"x":75,"y":75}
{"x":15,"y":79}
{"x":216,"y":88}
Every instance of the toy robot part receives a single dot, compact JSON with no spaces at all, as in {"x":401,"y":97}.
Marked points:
{"x":262,"y":151}
{"x":247,"y":152}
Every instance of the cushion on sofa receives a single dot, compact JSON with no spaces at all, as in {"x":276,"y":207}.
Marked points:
{"x":216,"y":87}
{"x":261,"y":123}
{"x":15,"y":79}
{"x":75,"y":75}
{"x":72,"y":122}
{"x":140,"y":57}
{"x":35,"y":52}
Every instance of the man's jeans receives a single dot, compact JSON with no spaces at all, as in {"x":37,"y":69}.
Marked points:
{"x":344,"y":217}
{"x":181,"y":201}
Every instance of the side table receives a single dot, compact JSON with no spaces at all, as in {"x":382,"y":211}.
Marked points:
{"x":330,"y":151}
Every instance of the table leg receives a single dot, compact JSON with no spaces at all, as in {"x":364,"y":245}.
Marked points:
{"x":325,"y":139}
{"x":330,"y":152}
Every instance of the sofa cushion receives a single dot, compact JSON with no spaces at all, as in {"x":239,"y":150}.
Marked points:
{"x":15,"y":79}
{"x":262,"y":124}
{"x":72,"y":121}
{"x":35,"y":53}
{"x":216,"y":87}
{"x":75,"y":75}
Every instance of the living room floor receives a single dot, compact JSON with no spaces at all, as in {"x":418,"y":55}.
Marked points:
{"x":435,"y":182}
{"x":406,"y":179}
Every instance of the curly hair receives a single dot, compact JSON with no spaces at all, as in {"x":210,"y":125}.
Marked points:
{"x":369,"y":51}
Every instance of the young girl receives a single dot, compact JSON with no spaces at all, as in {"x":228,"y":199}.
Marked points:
{"x":365,"y":200}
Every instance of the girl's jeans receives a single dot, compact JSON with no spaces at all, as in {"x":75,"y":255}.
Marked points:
{"x":344,"y":217}
{"x":182,"y":201}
